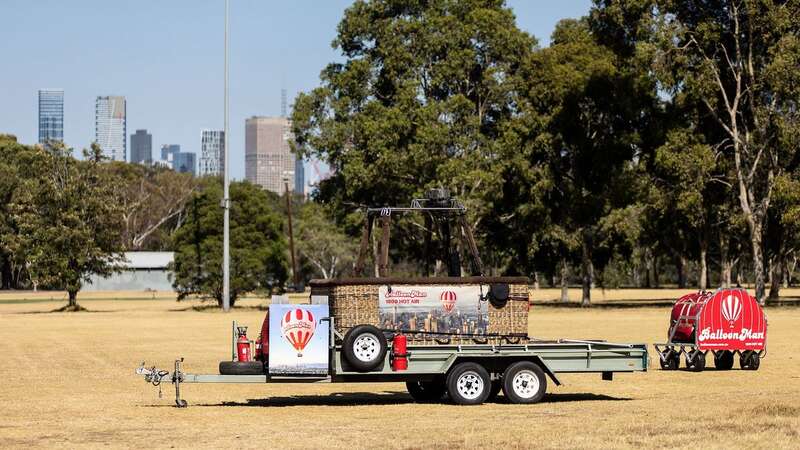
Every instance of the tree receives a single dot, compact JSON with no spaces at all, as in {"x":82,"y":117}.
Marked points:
{"x":69,"y":223}
{"x":10,"y":180}
{"x":739,"y":59}
{"x":589,"y":105}
{"x":420,"y":101}
{"x":153,"y":201}
{"x":258,"y":247}
{"x":322,"y":244}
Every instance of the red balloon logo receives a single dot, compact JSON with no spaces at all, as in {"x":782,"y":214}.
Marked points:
{"x":297,"y":327}
{"x":448,"y":299}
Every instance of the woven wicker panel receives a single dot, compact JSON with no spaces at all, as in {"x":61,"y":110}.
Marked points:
{"x":357,"y":304}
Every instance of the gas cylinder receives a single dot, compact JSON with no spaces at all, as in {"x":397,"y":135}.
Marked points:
{"x":399,"y":352}
{"x":683,"y":319}
{"x":242,"y":345}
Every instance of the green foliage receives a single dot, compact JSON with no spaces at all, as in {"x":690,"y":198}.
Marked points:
{"x":68,"y":221}
{"x":322,"y":244}
{"x":258,"y":247}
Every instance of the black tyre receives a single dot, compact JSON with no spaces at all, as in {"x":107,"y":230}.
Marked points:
{"x":241,"y":368}
{"x":497,"y":386}
{"x":749,"y":360}
{"x":696,"y":361}
{"x":524,"y":382}
{"x":426,"y":391}
{"x":723,"y":360}
{"x":468,"y":384}
{"x":670,"y":361}
{"x":364,"y":348}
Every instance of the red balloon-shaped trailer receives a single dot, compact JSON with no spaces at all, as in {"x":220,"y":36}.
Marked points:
{"x":726,"y":323}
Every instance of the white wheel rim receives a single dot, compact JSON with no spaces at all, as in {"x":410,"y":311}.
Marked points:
{"x":470,"y":385}
{"x":525,"y":384}
{"x":366,"y":347}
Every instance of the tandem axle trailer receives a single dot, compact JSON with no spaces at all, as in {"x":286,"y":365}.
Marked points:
{"x":467,"y":374}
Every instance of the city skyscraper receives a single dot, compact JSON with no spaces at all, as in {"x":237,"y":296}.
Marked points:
{"x":212,"y":152}
{"x":175,"y":159}
{"x":268,"y":157}
{"x":141,"y":147}
{"x":51,"y":115}
{"x":110,"y":126}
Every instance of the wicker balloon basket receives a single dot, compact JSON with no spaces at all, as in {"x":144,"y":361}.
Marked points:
{"x":432,"y":311}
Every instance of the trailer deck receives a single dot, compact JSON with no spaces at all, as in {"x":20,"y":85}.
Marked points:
{"x":429,"y":362}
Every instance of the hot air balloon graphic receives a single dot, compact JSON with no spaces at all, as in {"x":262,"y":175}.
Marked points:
{"x":731,"y":308}
{"x":448,"y":299}
{"x":297,"y":327}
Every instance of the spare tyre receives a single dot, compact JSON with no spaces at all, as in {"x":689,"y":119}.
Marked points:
{"x":241,"y":368}
{"x":364,"y":348}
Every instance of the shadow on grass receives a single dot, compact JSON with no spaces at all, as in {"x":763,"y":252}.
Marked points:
{"x":384,"y":398}
{"x":214,"y":308}
{"x":62,"y":310}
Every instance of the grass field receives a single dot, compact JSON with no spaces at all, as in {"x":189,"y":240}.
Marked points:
{"x":68,"y":381}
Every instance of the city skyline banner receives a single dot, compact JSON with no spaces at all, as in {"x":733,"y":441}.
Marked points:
{"x":444,"y":309}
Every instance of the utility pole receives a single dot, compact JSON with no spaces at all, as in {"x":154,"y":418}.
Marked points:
{"x":295,"y":279}
{"x":226,"y":201}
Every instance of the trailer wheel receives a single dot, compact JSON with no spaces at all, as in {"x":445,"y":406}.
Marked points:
{"x":524,"y":382}
{"x":671,"y":359}
{"x":241,"y":368}
{"x":364,"y":347}
{"x":749,"y":360}
{"x":426,"y":391}
{"x":468,"y":383}
{"x":723,"y":360}
{"x":696,"y":361}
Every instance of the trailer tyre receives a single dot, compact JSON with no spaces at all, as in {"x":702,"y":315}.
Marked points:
{"x":524,"y":382}
{"x":670,"y":361}
{"x":364,"y":347}
{"x":749,"y":360}
{"x":426,"y":391}
{"x":696,"y":361}
{"x":723,"y":360}
{"x":468,"y":383}
{"x":241,"y":368}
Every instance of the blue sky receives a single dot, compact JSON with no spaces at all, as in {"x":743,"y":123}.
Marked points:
{"x":166,"y":58}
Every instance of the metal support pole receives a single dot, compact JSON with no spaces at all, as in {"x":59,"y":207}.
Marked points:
{"x":226,"y":202}
{"x":295,"y":278}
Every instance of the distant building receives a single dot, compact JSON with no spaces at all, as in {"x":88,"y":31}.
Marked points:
{"x":175,"y":159}
{"x":141,"y":147}
{"x":141,"y":271}
{"x":268,"y":157}
{"x":51,"y":115}
{"x":212,"y":152}
{"x":110,"y":127}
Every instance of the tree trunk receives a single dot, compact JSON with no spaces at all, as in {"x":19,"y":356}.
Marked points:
{"x":680,"y":267}
{"x":776,"y":274}
{"x":5,"y":271}
{"x":587,"y":269}
{"x":564,"y":281}
{"x":73,"y":299}
{"x":703,"y":275}
{"x":758,"y":261}
{"x":724,"y":261}
{"x":656,"y":273}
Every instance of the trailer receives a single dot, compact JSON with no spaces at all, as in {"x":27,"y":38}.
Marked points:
{"x":466,"y":374}
{"x":725,"y":323}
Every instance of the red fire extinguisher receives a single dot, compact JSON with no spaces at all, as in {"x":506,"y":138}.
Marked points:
{"x":399,"y":352}
{"x":242,"y":345}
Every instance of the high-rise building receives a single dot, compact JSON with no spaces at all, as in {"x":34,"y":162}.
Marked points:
{"x":268,"y":156}
{"x":51,"y":115}
{"x":175,"y":159}
{"x":212,"y":152}
{"x":141,"y":147}
{"x":109,"y":126}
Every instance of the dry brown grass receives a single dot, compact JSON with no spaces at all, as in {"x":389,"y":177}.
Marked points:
{"x":67,"y":381}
